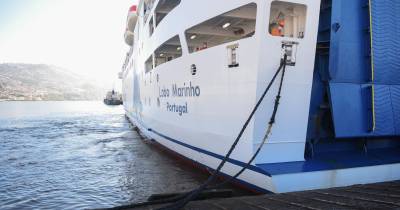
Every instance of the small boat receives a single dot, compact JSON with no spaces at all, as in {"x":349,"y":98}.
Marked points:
{"x":113,"y":98}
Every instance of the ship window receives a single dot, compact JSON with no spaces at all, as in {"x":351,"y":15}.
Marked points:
{"x":149,"y":64}
{"x":148,"y":5}
{"x":231,"y":26}
{"x":151,"y":27}
{"x":168,"y":51}
{"x":287,"y":19}
{"x":163,"y":8}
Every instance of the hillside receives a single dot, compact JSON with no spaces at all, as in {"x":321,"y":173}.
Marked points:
{"x":44,"y":82}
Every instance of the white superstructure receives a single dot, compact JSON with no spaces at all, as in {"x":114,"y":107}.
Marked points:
{"x":196,"y":69}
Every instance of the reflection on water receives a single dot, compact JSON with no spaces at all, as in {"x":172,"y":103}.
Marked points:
{"x":76,"y":155}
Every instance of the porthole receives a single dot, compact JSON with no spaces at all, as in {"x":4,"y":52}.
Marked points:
{"x":193,"y":69}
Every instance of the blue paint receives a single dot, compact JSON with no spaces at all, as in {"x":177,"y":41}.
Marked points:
{"x":350,"y":109}
{"x":324,"y":161}
{"x":395,"y":94}
{"x":385,"y":32}
{"x":349,"y":69}
{"x":328,"y":160}
{"x":230,"y":160}
{"x":200,"y":165}
{"x":344,"y":42}
{"x":384,"y":111}
{"x":335,"y":160}
{"x":349,"y":50}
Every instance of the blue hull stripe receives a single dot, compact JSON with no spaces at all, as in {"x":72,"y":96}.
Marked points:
{"x":232,"y":161}
{"x":322,"y":162}
{"x":201,"y":165}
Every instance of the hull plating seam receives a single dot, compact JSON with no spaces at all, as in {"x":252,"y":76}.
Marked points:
{"x":319,"y":164}
{"x":232,"y":161}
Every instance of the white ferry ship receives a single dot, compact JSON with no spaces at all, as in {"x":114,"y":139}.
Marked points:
{"x":196,"y":69}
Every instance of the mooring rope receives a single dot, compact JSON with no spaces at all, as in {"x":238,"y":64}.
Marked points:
{"x":194,"y":193}
{"x":183,"y":199}
{"x":266,"y":136}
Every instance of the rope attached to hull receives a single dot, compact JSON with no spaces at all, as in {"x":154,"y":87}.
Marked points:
{"x":193,"y":194}
{"x":182,"y":200}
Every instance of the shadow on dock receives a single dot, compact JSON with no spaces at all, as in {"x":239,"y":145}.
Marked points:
{"x":372,"y":196}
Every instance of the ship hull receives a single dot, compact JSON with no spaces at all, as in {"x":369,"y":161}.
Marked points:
{"x":112,"y":102}
{"x":195,"y":102}
{"x":260,"y":180}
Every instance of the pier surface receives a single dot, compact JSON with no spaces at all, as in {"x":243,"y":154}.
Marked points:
{"x":372,"y":196}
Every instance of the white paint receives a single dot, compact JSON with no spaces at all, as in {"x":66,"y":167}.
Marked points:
{"x":228,"y":95}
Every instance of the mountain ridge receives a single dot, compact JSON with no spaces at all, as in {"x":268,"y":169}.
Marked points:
{"x":22,"y":81}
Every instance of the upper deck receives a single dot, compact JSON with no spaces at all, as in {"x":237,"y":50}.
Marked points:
{"x":202,"y":26}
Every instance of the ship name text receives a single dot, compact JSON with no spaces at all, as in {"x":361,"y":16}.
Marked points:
{"x":187,"y":90}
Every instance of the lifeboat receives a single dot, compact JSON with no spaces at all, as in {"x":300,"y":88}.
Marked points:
{"x":129,"y":37}
{"x":132,"y":18}
{"x":130,"y":25}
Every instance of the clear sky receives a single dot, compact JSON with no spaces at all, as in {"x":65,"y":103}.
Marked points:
{"x":83,"y":36}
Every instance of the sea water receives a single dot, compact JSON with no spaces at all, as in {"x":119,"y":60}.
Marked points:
{"x":79,"y":155}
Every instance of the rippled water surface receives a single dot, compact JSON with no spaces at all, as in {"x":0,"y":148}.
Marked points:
{"x":78,"y":155}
